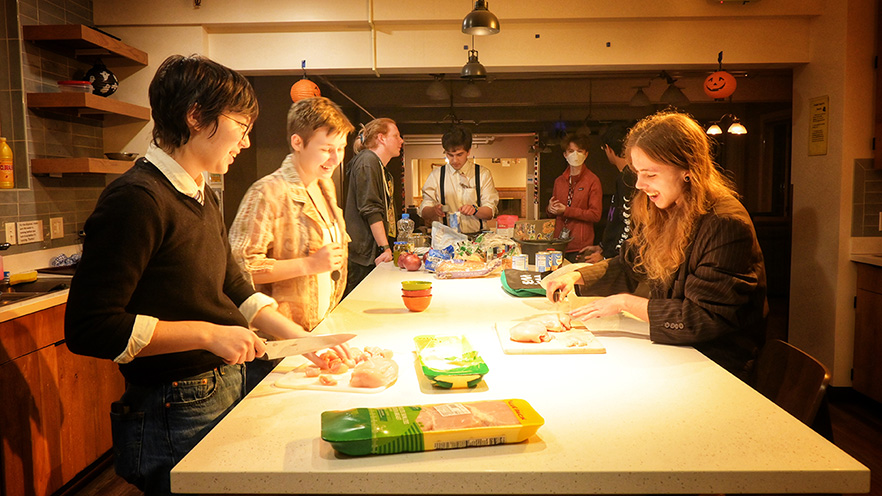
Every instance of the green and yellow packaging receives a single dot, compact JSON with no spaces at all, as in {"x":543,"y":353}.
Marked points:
{"x":450,"y":361}
{"x":381,"y":431}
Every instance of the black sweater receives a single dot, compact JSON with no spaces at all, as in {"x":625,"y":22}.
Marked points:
{"x":151,"y":250}
{"x":365,"y":205}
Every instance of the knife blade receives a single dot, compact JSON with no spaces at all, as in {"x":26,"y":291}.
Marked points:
{"x":299,"y":346}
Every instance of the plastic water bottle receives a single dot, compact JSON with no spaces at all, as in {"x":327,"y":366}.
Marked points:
{"x":405,"y":228}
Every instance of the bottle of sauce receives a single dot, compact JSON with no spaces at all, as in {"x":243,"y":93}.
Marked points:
{"x":7,"y":181}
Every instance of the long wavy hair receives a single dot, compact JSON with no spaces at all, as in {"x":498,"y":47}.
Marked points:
{"x":662,"y":236}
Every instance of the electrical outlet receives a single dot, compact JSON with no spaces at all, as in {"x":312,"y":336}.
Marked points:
{"x":10,"y":232}
{"x":56,"y":227}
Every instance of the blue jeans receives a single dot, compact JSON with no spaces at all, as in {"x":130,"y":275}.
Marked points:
{"x":155,"y":426}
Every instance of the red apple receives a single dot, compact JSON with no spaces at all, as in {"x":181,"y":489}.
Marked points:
{"x":410,"y":261}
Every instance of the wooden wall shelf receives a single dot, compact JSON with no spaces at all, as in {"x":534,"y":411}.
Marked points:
{"x":84,"y":43}
{"x":86,"y":104}
{"x":82,"y":165}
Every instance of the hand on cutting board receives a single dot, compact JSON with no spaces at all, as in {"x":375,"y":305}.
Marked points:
{"x":613,"y":305}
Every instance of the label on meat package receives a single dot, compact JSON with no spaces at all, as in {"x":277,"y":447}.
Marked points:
{"x":367,"y":431}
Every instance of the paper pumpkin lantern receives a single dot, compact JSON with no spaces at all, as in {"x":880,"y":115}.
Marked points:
{"x":720,"y":84}
{"x":304,"y":89}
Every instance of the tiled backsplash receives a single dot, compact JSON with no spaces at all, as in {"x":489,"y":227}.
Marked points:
{"x":867,"y":199}
{"x":38,"y":134}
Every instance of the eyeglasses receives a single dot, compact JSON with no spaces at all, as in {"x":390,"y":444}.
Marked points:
{"x":246,"y":127}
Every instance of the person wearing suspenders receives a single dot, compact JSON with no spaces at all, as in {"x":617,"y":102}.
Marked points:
{"x":454,"y":187}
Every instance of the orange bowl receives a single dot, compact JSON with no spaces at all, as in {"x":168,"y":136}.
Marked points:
{"x":417,"y":303}
{"x":416,"y":292}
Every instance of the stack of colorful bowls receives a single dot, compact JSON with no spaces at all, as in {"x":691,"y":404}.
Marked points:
{"x":416,"y":295}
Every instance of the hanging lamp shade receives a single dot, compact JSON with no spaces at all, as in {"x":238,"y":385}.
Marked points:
{"x":737,"y":127}
{"x":473,"y":69}
{"x":714,"y":129}
{"x":436,"y":90}
{"x":471,"y":90}
{"x":674,"y":96}
{"x":480,"y":21}
{"x":639,"y":99}
{"x":304,"y":89}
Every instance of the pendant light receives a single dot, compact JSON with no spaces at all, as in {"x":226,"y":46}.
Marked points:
{"x":473,"y":69}
{"x":735,"y":128}
{"x":436,"y":89}
{"x":480,"y":21}
{"x":673,"y":95}
{"x":640,"y":99}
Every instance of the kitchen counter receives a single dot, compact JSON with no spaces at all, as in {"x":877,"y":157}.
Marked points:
{"x":867,"y":258}
{"x":32,"y":305}
{"x":642,"y":418}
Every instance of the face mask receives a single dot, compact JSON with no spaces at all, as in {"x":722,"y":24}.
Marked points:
{"x":576,"y":158}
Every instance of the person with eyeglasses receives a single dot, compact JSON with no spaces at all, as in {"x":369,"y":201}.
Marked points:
{"x":157,"y":289}
{"x":576,"y":199}
{"x":289,"y":236}
{"x":458,"y":187}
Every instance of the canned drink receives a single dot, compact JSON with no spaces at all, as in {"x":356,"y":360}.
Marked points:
{"x":556,"y":258}
{"x":453,"y":221}
{"x":543,"y":262}
{"x":519,"y":262}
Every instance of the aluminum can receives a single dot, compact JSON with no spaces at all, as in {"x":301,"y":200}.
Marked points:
{"x":556,"y":258}
{"x":543,"y":261}
{"x":519,"y":262}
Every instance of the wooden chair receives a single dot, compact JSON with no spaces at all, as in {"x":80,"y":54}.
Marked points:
{"x":791,"y":378}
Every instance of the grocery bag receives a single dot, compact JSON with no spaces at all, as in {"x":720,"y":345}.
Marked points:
{"x":522,"y":282}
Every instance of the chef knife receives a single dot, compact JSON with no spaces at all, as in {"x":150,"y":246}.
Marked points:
{"x":299,"y":346}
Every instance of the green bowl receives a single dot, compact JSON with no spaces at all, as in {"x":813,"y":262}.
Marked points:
{"x":409,"y":285}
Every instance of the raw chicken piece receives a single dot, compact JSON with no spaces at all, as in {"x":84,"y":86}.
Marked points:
{"x":529,"y":332}
{"x":575,"y":339}
{"x":327,"y":380}
{"x":376,"y":371}
{"x":313,"y":371}
{"x":555,"y":322}
{"x":466,"y":415}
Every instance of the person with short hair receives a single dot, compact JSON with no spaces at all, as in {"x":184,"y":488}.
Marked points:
{"x":289,"y":236}
{"x":576,"y":201}
{"x":157,"y":289}
{"x":370,"y":206}
{"x":458,"y":187}
{"x":618,"y":225}
{"x":693,"y":243}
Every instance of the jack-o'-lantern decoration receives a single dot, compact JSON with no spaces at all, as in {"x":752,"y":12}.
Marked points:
{"x":720,"y":84}
{"x":304,"y":89}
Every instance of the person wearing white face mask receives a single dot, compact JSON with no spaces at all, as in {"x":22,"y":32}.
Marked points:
{"x":576,"y":199}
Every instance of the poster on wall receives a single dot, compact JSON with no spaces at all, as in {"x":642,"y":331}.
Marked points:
{"x":818,"y":125}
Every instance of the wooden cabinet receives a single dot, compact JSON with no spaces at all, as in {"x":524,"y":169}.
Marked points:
{"x":867,"y":377}
{"x":54,"y":419}
{"x":88,"y":45}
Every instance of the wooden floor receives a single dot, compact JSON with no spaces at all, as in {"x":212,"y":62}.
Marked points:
{"x":856,"y":420}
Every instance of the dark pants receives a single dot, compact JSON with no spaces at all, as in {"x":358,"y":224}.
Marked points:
{"x":356,"y":274}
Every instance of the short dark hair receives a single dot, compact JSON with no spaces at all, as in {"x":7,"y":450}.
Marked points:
{"x":199,"y":84}
{"x":583,"y":141}
{"x":457,"y":137}
{"x":614,"y":137}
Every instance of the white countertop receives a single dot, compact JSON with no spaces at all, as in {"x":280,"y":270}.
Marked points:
{"x":642,"y":418}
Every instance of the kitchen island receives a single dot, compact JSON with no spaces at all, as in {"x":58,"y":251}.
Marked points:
{"x":641,"y":418}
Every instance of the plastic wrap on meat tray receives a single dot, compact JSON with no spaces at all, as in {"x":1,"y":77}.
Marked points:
{"x":461,"y":269}
{"x":380,"y":431}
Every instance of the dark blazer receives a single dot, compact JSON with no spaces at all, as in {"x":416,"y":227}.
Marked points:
{"x":717,"y":299}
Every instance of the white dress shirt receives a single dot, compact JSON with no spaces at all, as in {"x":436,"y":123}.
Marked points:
{"x":459,"y":190}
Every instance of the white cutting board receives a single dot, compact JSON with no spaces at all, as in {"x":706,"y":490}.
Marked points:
{"x":555,"y":346}
{"x":296,"y":379}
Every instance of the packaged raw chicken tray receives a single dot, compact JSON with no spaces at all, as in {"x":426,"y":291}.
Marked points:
{"x":450,"y":361}
{"x":383,"y":431}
